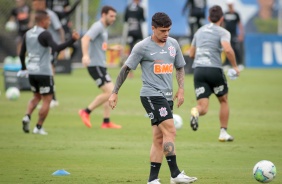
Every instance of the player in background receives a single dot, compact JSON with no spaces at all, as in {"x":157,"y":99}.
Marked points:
{"x":37,"y":43}
{"x":209,"y":77}
{"x":57,"y":33}
{"x":134,"y":16}
{"x":233,"y":24}
{"x":158,"y":55}
{"x":64,"y":10}
{"x":197,"y":14}
{"x":21,"y":15}
{"x":94,"y":46}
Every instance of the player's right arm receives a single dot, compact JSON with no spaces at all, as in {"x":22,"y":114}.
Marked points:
{"x":84,"y":47}
{"x":120,"y":79}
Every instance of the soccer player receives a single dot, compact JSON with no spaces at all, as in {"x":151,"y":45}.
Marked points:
{"x":38,"y":43}
{"x":94,"y":46}
{"x":209,"y":77}
{"x":232,"y":23}
{"x":57,"y":33}
{"x":134,"y":16}
{"x":158,"y":55}
{"x":20,"y":14}
{"x":197,"y":14}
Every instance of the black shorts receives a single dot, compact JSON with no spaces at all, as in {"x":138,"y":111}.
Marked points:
{"x":99,"y":74}
{"x":42,"y":84}
{"x":209,"y":80}
{"x":157,"y":108}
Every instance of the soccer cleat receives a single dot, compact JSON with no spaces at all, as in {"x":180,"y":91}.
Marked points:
{"x":85,"y":118}
{"x":156,"y":181}
{"x":182,"y":178}
{"x":194,"y":118}
{"x":54,"y":103}
{"x":25,"y":123}
{"x":110,"y":125}
{"x":224,"y":136}
{"x":40,"y":131}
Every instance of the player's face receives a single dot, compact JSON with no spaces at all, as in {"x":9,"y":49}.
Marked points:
{"x":46,"y":22}
{"x":38,"y":5}
{"x":161,"y":33}
{"x":110,"y":17}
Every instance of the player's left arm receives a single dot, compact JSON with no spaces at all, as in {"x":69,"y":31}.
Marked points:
{"x":180,"y":75}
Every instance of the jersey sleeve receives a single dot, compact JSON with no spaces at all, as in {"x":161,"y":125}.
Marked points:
{"x":94,"y":31}
{"x":225,"y":36}
{"x":135,"y":56}
{"x":55,"y":22}
{"x":179,"y":59}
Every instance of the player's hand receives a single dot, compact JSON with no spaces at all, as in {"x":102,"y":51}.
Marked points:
{"x":237,"y":71}
{"x":22,"y":73}
{"x":85,"y":60}
{"x":113,"y":100}
{"x":179,"y":96}
{"x":75,"y":35}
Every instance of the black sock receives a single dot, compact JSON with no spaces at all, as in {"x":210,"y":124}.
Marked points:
{"x":154,"y":171}
{"x":88,"y":111}
{"x":28,"y":116}
{"x":54,"y":96}
{"x":38,"y":126}
{"x":171,"y":160}
{"x":106,"y":120}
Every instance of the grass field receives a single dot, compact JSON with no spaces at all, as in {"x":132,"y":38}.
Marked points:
{"x":122,"y":156}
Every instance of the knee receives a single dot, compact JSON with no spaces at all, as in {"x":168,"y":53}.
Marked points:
{"x":158,"y":141}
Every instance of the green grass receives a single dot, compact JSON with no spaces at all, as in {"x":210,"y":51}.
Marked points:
{"x":122,"y":156}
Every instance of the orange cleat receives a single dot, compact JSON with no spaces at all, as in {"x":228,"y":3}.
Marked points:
{"x":85,"y":118}
{"x":110,"y":125}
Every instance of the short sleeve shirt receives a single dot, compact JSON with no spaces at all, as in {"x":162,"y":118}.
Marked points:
{"x":98,"y":44}
{"x":157,"y":64}
{"x":207,"y":41}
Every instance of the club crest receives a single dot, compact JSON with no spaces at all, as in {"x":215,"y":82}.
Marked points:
{"x":172,"y":51}
{"x":163,"y":111}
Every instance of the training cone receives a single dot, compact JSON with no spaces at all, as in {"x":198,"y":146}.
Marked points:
{"x":61,"y":173}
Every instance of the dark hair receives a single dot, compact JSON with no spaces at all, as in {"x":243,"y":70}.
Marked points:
{"x":106,"y":9}
{"x":215,"y":13}
{"x":40,"y":15}
{"x":161,"y":19}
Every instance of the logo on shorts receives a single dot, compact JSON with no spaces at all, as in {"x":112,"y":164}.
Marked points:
{"x":199,"y":91}
{"x":163,"y":112}
{"x":218,"y":89}
{"x":151,"y":115}
{"x":98,"y":81}
{"x":172,"y":51}
{"x":43,"y":90}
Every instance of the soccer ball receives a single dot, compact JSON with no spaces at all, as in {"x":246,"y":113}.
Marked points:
{"x":11,"y":26}
{"x":264,"y":171}
{"x":12,"y":93}
{"x":178,"y":122}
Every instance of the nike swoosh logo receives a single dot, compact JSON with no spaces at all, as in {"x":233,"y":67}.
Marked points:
{"x":153,"y":53}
